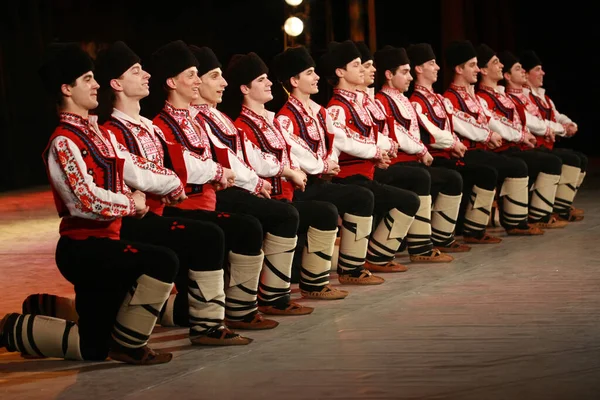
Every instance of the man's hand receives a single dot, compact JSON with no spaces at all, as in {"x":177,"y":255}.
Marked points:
{"x":427,"y":159}
{"x":227,"y":180}
{"x":571,"y":129}
{"x":333,"y":168}
{"x":459,"y":150}
{"x":266,"y":189}
{"x":173,"y":201}
{"x":495,"y":141}
{"x":393,"y":152}
{"x":550,"y":136}
{"x":530,"y":140}
{"x":384,"y":161}
{"x":139,"y":198}
{"x":296,"y":177}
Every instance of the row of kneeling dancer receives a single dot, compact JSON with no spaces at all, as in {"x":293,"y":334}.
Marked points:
{"x":198,"y":214}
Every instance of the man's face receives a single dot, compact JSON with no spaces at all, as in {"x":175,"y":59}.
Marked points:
{"x":186,"y":84}
{"x":212,"y":86}
{"x":402,"y":78}
{"x":354,"y":73}
{"x":85,"y":92}
{"x":135,"y":82}
{"x":494,"y":69}
{"x":469,"y":71}
{"x":517,"y":75}
{"x":306,"y":82}
{"x":535,"y":76}
{"x":429,"y":71}
{"x":260,"y":89}
{"x":369,"y":72}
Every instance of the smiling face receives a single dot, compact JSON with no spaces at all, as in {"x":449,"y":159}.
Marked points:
{"x":535,"y":76}
{"x":493,"y":69}
{"x":212,"y":86}
{"x":84,"y":93}
{"x":186,"y":84}
{"x":259,"y":90}
{"x":428,"y":72}
{"x":135,"y":82}
{"x":469,"y":70}
{"x":306,"y":82}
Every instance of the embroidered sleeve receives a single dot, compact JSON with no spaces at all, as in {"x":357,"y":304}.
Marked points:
{"x":75,"y":185}
{"x":145,"y":175}
{"x":443,"y":139}
{"x":245,"y":176}
{"x":265,"y":165}
{"x":303,"y":156}
{"x":466,"y":126}
{"x":346,"y":140}
{"x":502,"y":125}
{"x":536,"y":125}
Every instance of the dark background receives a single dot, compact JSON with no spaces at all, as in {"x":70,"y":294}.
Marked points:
{"x":565,"y":37}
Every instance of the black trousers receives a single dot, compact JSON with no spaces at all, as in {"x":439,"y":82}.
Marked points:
{"x":537,"y":161}
{"x":473,"y":173}
{"x":386,"y":197}
{"x":569,"y":157}
{"x":352,"y":199}
{"x":421,"y":179}
{"x":276,"y":217}
{"x":102,"y":270}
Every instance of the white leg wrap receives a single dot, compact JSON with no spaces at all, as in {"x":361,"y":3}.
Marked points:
{"x":316,"y":257}
{"x":543,"y":193}
{"x":515,"y":198}
{"x":354,"y":241}
{"x":443,"y":218}
{"x":418,"y":237}
{"x":277,"y":269}
{"x":243,"y":284}
{"x":386,"y":238}
{"x":45,"y":337}
{"x":479,"y":209}
{"x":206,"y":299}
{"x":567,"y":186}
{"x":139,"y":311}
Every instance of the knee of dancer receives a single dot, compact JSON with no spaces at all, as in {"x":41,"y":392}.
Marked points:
{"x":453,"y":184}
{"x":571,"y":159}
{"x":362,"y":201}
{"x":551,"y":165}
{"x":250,"y":235}
{"x":207,"y":242}
{"x":287,"y":218}
{"x":422,"y":181}
{"x":164,"y":265}
{"x":487,"y":178}
{"x":408,"y":202}
{"x":583,"y":159}
{"x":325,"y":216}
{"x":517,"y":168}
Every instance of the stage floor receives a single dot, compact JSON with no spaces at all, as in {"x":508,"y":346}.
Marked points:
{"x":519,"y":320}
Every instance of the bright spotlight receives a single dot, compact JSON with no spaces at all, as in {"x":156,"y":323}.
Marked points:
{"x":293,"y":2}
{"x":293,"y":26}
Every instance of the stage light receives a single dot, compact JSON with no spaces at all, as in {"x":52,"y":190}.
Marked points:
{"x":293,"y":26}
{"x":293,"y":3}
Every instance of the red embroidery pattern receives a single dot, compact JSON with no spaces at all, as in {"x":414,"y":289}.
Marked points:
{"x":130,"y":248}
{"x":88,"y":201}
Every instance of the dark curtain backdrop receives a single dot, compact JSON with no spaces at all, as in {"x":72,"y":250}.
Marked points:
{"x":564,"y":37}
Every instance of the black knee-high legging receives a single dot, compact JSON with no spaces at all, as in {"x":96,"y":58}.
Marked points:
{"x":102,"y":270}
